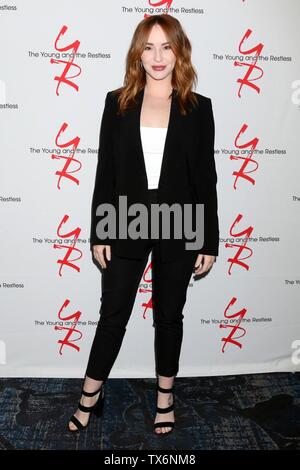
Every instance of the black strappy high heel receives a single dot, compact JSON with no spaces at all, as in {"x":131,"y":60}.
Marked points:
{"x":96,"y":409}
{"x":165,"y":424}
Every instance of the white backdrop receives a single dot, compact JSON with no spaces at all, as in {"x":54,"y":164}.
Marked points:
{"x":243,"y":317}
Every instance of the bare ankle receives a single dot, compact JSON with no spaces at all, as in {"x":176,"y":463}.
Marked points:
{"x":91,"y":385}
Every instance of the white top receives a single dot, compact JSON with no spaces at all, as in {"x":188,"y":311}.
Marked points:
{"x":153,"y":142}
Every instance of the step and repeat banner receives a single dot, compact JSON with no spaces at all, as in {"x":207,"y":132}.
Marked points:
{"x":58,"y":60}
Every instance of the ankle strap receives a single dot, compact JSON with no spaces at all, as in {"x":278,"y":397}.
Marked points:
{"x":165,"y":390}
{"x":90,"y":394}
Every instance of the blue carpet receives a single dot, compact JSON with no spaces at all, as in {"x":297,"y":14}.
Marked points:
{"x":242,"y":412}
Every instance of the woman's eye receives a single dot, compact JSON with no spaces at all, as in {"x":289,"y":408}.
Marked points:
{"x":165,"y":47}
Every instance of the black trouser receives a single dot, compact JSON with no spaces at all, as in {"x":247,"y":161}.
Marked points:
{"x":120,"y":281}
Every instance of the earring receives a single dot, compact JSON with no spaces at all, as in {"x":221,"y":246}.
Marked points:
{"x":141,"y":64}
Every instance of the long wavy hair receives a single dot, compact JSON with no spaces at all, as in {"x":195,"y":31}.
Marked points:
{"x":184,"y":75}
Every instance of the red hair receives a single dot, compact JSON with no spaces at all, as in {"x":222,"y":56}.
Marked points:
{"x":184,"y":75}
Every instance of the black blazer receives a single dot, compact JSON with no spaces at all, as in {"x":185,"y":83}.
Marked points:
{"x":188,"y":172}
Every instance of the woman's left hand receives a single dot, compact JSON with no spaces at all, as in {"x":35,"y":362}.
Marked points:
{"x":204,"y":263}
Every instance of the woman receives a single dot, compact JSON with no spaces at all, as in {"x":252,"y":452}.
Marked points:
{"x":156,"y":146}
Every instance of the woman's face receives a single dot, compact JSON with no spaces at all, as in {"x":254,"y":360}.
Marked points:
{"x":158,"y":58}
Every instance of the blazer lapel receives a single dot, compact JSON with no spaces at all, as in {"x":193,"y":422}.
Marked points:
{"x":170,"y":140}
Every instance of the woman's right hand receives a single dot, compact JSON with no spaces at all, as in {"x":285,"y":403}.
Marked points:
{"x":98,"y":252}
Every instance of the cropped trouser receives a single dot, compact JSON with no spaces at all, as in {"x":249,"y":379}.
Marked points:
{"x":120,"y":282}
